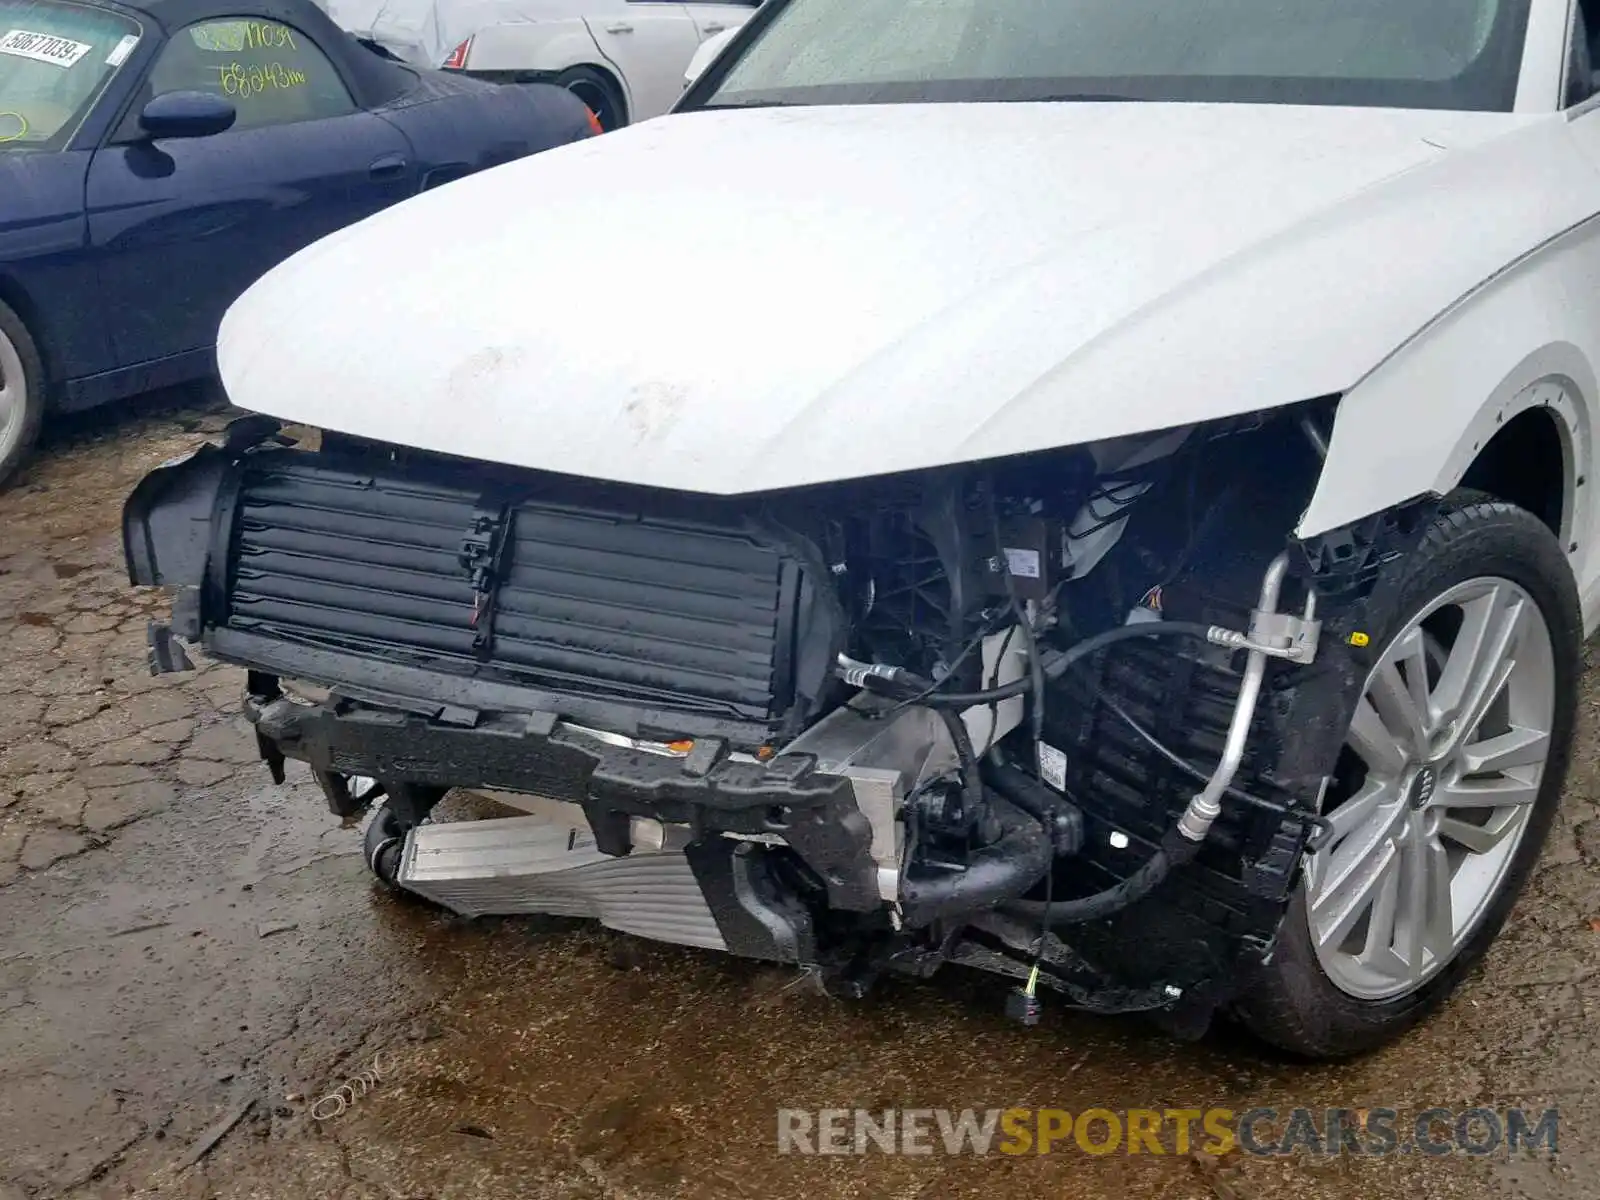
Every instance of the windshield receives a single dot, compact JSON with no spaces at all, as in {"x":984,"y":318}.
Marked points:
{"x":1460,"y":54}
{"x":55,"y":61}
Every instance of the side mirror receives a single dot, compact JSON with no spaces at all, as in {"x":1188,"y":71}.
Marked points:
{"x":707,"y":54}
{"x":187,"y":115}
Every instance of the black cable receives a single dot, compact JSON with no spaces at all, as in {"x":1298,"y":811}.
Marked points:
{"x":1323,"y":826}
{"x":1177,"y":760}
{"x":991,"y":681}
{"x":967,"y":652}
{"x":1061,"y":662}
{"x":971,"y":782}
{"x":1176,"y":850}
{"x":1200,"y":531}
{"x":1030,"y":642}
{"x":1120,"y":507}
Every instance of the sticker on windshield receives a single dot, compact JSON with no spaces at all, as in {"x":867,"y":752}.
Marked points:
{"x":43,"y":47}
{"x":119,"y":52}
{"x":234,"y":37}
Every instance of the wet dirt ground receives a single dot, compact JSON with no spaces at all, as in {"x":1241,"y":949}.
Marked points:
{"x":190,"y":958}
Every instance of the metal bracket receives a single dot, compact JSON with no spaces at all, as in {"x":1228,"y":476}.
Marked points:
{"x":484,"y":551}
{"x":1276,"y":634}
{"x":1283,"y":635}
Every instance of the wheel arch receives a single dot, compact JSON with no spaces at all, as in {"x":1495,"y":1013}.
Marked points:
{"x":17,"y":298}
{"x":618,"y":85}
{"x":1530,"y":459}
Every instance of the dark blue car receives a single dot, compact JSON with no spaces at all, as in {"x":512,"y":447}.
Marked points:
{"x":157,"y":157}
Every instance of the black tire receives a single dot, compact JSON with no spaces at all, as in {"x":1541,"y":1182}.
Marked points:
{"x":16,"y":442}
{"x":599,"y":91}
{"x":1293,"y":1004}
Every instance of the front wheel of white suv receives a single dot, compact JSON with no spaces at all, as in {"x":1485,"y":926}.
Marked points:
{"x":1448,"y":781}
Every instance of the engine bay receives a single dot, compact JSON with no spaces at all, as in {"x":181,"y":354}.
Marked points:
{"x":1027,"y":716}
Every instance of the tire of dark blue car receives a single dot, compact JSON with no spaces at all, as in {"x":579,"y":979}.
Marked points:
{"x":21,"y":393}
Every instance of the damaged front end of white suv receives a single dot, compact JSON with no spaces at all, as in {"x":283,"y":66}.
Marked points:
{"x":929,"y":541}
{"x":1064,"y":710}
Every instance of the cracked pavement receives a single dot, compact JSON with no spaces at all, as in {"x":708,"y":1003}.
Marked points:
{"x":183,"y":943}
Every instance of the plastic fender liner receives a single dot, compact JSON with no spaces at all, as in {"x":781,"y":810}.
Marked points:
{"x":167,"y":520}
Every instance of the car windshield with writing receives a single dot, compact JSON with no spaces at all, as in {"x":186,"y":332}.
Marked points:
{"x":1448,"y":54}
{"x":55,"y":62}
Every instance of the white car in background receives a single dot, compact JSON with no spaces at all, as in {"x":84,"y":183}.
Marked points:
{"x":626,"y":59}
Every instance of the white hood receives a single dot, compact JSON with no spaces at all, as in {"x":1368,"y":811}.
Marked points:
{"x":729,"y":302}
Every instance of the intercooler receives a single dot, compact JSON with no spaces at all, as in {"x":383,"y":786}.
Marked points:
{"x":515,"y":581}
{"x":535,"y":864}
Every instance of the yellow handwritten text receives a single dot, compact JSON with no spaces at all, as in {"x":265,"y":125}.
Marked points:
{"x":244,"y":80}
{"x":234,"y":37}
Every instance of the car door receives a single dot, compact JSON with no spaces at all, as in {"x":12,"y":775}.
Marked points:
{"x":180,"y":227}
{"x":60,"y":64}
{"x":712,"y":17}
{"x":1581,"y":99}
{"x":650,"y":42}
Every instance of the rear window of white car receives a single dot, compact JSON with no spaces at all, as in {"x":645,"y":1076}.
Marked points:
{"x":55,"y":62}
{"x":1403,"y":53}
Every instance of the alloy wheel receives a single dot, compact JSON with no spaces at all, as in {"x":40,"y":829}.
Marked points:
{"x":1442,"y":765}
{"x":13,"y":396}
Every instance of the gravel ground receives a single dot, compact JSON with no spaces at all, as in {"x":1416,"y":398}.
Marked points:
{"x":190,"y":957}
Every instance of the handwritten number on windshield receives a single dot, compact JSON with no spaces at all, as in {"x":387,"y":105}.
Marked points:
{"x":238,"y":79}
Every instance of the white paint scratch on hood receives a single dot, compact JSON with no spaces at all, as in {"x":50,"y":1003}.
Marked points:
{"x":738,"y":301}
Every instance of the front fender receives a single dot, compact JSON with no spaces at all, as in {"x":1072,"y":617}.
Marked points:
{"x":1415,"y":424}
